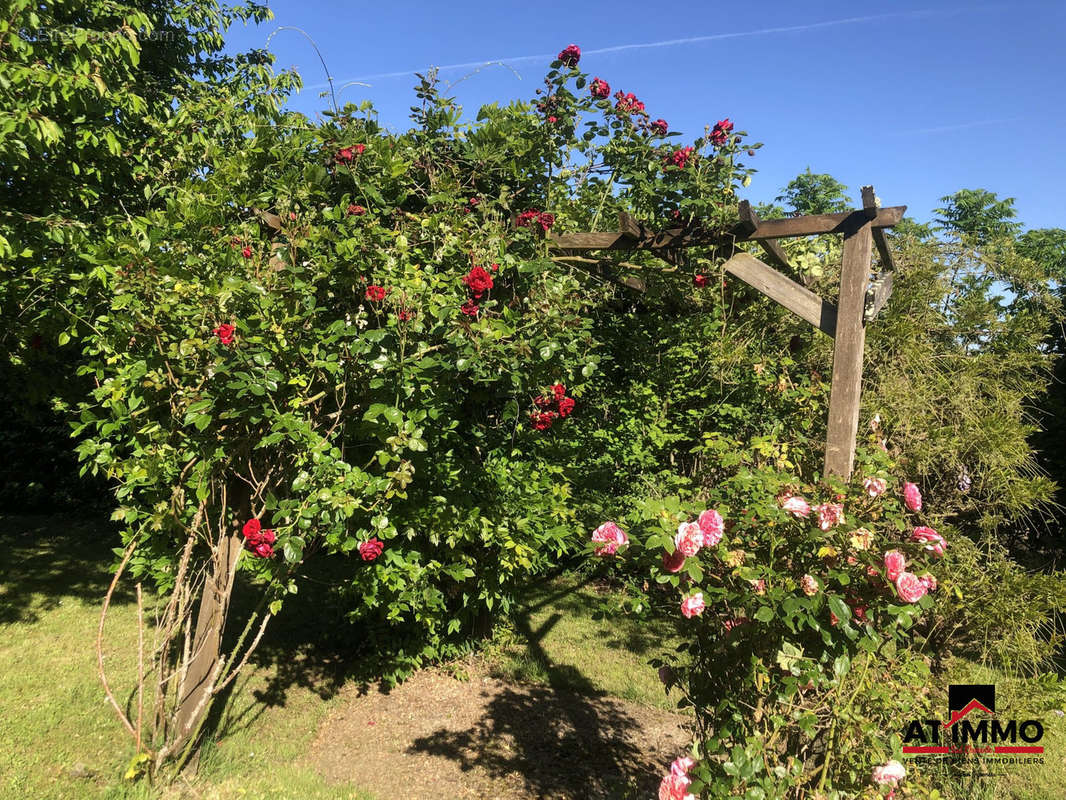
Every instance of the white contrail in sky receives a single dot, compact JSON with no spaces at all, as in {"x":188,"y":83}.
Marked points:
{"x":957,"y":127}
{"x":649,"y":45}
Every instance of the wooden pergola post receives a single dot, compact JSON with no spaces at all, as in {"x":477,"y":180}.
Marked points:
{"x":845,"y":393}
{"x":859,"y":301}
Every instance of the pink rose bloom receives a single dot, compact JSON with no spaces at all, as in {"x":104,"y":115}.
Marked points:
{"x":932,"y":540}
{"x":910,"y":587}
{"x":610,"y":538}
{"x":894,"y":564}
{"x":929,"y":582}
{"x":712,"y":525}
{"x":263,"y":550}
{"x":890,"y":774}
{"x":689,"y":539}
{"x":682,"y":765}
{"x":875,"y":487}
{"x":829,"y":515}
{"x":809,"y":585}
{"x":693,"y":606}
{"x":759,"y":586}
{"x":912,"y":496}
{"x":795,"y":505}
{"x":673,"y":787}
{"x":673,"y":562}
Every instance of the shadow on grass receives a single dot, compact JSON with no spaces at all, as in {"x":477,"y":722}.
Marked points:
{"x":561,"y":743}
{"x":45,"y":558}
{"x":310,"y":646}
{"x":564,"y":739}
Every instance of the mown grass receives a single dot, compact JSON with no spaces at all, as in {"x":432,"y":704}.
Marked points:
{"x":59,"y":739}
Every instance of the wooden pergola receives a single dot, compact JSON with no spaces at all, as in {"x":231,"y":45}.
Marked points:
{"x":862,"y":294}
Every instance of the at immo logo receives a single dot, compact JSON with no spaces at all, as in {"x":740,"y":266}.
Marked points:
{"x":972,"y":726}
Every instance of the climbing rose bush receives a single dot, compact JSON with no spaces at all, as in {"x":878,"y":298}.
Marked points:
{"x":336,"y":331}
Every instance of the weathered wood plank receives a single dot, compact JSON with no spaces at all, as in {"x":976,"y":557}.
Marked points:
{"x":848,"y":349}
{"x":629,"y":226}
{"x":592,"y":241}
{"x":750,"y":219}
{"x":870,"y":202}
{"x":813,"y":224}
{"x":781,"y":289}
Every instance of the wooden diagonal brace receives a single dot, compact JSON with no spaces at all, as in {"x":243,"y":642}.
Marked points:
{"x":781,"y":289}
{"x":750,"y":221}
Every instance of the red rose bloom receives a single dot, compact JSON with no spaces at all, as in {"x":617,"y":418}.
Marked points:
{"x":225,"y":332}
{"x":542,"y":401}
{"x":359,"y":148}
{"x":370,"y":549}
{"x":570,"y":55}
{"x":478,"y":281}
{"x":356,"y":210}
{"x":526,"y":218}
{"x":376,"y":293}
{"x":258,"y":541}
{"x":628,"y":103}
{"x":543,"y":420}
{"x":246,"y":251}
{"x":470,"y":308}
{"x":546,"y":220}
{"x":344,"y":155}
{"x":566,"y":405}
{"x":699,"y":280}
{"x":600,"y":88}
{"x":720,"y":132}
{"x":558,"y":391}
{"x":553,"y":119}
{"x":679,"y":158}
{"x":406,"y":315}
{"x":660,"y":127}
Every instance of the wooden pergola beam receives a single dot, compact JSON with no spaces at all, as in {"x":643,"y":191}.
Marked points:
{"x":815,"y":224}
{"x":767,"y":229}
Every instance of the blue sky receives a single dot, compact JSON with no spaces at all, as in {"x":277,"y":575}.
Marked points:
{"x":918,"y":98}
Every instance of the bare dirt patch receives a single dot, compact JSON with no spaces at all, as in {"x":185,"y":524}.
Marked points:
{"x":438,"y":737}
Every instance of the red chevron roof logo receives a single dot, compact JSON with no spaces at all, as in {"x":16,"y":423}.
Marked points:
{"x":973,"y":705}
